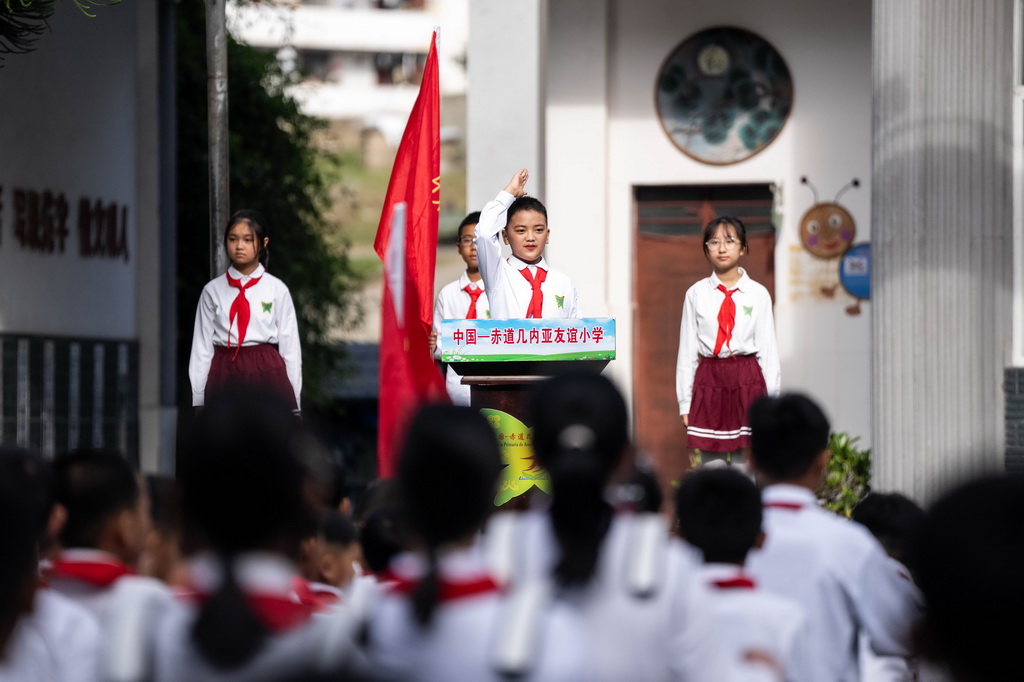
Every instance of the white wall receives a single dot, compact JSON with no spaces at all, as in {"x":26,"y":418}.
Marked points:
{"x":70,"y":126}
{"x":595,"y":157}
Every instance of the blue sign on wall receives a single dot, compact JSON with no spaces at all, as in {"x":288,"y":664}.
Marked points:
{"x":855,"y":271}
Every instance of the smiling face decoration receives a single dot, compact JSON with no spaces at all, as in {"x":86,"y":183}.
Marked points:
{"x":827,"y":229}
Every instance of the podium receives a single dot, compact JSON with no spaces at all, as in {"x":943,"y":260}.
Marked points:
{"x":501,"y":360}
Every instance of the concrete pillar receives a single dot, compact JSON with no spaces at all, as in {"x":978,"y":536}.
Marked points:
{"x":505,"y":97}
{"x":941,"y":240}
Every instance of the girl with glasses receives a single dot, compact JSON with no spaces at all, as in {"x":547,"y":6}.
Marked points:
{"x":728,"y":356}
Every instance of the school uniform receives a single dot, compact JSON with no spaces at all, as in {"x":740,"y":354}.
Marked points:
{"x":58,"y":641}
{"x":462,"y":640}
{"x":746,"y":619}
{"x":653,"y":633}
{"x":728,"y":358}
{"x":239,"y":321}
{"x":510,"y":282}
{"x":836,"y":570}
{"x":459,"y":300}
{"x":87,"y":577}
{"x":299,"y":641}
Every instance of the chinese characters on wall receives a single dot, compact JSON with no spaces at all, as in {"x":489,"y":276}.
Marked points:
{"x":47,"y":222}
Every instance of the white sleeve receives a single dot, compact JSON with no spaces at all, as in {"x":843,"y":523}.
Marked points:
{"x":288,"y":342}
{"x":767,"y":346}
{"x":202,"y":347}
{"x":888,"y":604}
{"x":439,"y":314}
{"x":488,"y":237}
{"x":686,"y":362}
{"x":574,"y":303}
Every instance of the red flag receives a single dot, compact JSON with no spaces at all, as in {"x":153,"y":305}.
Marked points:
{"x":408,"y":375}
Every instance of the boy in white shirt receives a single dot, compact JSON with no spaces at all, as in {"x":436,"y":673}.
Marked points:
{"x":719,"y":512}
{"x":463,"y":299}
{"x":832,"y":567}
{"x":522,"y":285}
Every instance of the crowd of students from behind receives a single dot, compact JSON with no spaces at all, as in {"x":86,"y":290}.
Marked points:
{"x":251,"y":566}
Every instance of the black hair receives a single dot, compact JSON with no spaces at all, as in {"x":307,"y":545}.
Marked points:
{"x":377,"y":518}
{"x":242,"y":491}
{"x":164,"y":503}
{"x":579,"y":436}
{"x":968,"y":553}
{"x":893,"y":519}
{"x":257,"y":222}
{"x":28,"y":472}
{"x":19,"y":555}
{"x":719,"y":512}
{"x":787,"y":434}
{"x":94,"y":486}
{"x":525,"y":203}
{"x":730,"y":221}
{"x":447,"y":474}
{"x":471,"y":219}
{"x":337,"y":529}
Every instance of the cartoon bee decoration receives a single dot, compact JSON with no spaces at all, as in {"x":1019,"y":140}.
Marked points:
{"x":827,"y":229}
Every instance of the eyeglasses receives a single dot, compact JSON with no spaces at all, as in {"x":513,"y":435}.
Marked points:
{"x":465,"y":240}
{"x":715,"y":243}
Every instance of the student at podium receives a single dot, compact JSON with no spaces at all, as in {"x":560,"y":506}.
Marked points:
{"x":522,"y":285}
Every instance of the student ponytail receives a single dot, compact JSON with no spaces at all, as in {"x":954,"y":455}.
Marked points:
{"x":427,"y":592}
{"x":579,"y":513}
{"x":579,"y":437}
{"x":447,"y":474}
{"x":227,"y":632}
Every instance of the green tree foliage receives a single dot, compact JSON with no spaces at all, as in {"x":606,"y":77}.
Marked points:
{"x":274,"y":170}
{"x":22,"y":22}
{"x":848,"y":477}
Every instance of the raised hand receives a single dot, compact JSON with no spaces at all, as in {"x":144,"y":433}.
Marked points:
{"x":517,"y":185}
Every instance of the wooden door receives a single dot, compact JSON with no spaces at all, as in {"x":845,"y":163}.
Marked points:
{"x":669,"y":224}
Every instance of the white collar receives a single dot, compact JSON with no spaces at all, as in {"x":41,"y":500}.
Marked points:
{"x":235,"y":274}
{"x":742,"y":283}
{"x":519,"y":265}
{"x":465,"y":281}
{"x":261,"y":572}
{"x":89,"y":555}
{"x":786,"y":493}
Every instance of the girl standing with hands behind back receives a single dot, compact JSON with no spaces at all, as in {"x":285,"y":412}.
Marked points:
{"x":728,"y":356}
{"x":241,"y":317}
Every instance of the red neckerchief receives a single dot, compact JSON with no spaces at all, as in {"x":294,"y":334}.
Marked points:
{"x":447,"y":590}
{"x":535,"y":309}
{"x":726,"y":319}
{"x":277,"y":612}
{"x":791,"y":506}
{"x":474,"y":294}
{"x":740,"y":582}
{"x":239,"y":309}
{"x":97,"y":573}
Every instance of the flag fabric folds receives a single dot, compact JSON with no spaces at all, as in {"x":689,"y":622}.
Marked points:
{"x":408,"y":375}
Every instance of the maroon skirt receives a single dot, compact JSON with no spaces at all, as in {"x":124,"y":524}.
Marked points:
{"x":723,"y":391}
{"x":259,"y":365}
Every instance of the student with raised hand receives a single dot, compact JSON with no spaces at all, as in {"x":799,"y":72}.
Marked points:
{"x":53,"y":638}
{"x":246,"y":331}
{"x":440,"y":616}
{"x":633,"y":589}
{"x":764,"y":635}
{"x":106,"y":528}
{"x":522,"y":285}
{"x":245,"y":511}
{"x":829,"y":565}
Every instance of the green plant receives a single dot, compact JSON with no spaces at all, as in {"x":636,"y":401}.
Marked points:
{"x":848,"y":477}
